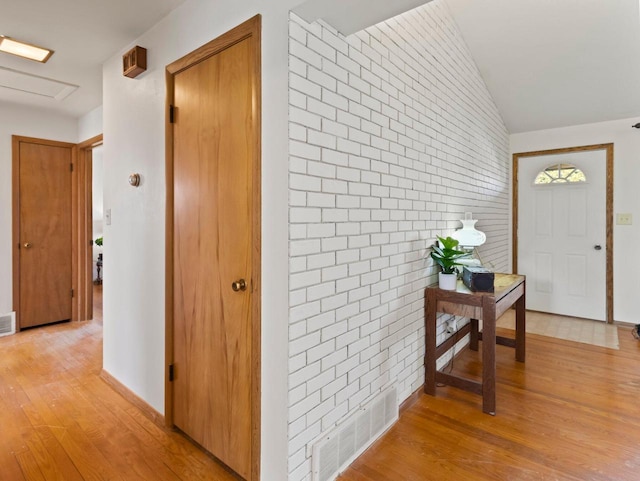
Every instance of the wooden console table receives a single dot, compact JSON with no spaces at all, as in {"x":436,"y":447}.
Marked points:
{"x":509,"y":289}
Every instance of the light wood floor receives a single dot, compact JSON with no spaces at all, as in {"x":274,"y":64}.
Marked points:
{"x":572,"y":412}
{"x":60,"y":421}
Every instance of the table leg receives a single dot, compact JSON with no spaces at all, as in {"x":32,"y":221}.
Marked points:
{"x":489,"y":355}
{"x":430,"y":343}
{"x":473,"y":341}
{"x":521,"y":326}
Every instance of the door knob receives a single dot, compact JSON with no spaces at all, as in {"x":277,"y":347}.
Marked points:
{"x":597,"y":247}
{"x":239,"y":285}
{"x":27,"y":245}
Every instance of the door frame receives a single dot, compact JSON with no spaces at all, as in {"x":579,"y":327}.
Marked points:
{"x":250,"y":28}
{"x":82,"y":182}
{"x":608,"y":148}
{"x":16,"y":140}
{"x":81,"y":223}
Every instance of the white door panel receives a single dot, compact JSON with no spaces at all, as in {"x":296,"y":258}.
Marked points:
{"x":558,"y":227}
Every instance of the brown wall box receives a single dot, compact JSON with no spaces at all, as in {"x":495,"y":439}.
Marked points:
{"x":134,"y":62}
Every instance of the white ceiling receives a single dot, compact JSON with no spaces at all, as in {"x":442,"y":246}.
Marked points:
{"x":554,"y":63}
{"x":547,"y":63}
{"x":83,"y":34}
{"x":350,"y":16}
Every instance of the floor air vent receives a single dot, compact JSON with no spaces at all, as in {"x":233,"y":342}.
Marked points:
{"x":336,"y":450}
{"x":8,"y":324}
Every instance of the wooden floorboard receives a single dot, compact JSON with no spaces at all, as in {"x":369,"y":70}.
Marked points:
{"x":59,"y":421}
{"x":572,"y":412}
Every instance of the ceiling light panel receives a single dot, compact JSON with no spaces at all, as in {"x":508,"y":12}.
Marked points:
{"x":24,"y":50}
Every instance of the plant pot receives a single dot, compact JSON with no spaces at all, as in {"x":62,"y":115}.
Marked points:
{"x":447,"y":282}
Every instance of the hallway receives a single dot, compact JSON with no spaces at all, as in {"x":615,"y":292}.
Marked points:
{"x":60,"y":421}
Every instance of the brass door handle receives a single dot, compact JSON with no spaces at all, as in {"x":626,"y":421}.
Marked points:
{"x":27,"y":245}
{"x":239,"y":285}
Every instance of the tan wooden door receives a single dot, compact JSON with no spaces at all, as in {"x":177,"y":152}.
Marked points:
{"x":213,"y":152}
{"x":44,"y":226}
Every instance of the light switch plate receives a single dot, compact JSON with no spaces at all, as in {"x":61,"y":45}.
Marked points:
{"x":107,"y":216}
{"x":624,"y":219}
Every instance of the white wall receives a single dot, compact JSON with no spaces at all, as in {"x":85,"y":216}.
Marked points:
{"x":28,"y":122}
{"x":134,"y":314}
{"x":625,"y":199}
{"x":90,"y":124}
{"x":97,"y":189}
{"x":393,"y":136}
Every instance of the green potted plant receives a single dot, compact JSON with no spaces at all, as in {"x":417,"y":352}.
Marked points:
{"x":98,"y":242}
{"x":446,"y":256}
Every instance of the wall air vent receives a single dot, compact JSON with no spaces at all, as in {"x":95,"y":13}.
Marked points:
{"x":337,"y":449}
{"x":8,"y":324}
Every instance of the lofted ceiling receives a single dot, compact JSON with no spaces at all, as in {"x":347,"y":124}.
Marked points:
{"x":350,"y":16}
{"x":83,"y":34}
{"x":547,"y":63}
{"x":555,"y":63}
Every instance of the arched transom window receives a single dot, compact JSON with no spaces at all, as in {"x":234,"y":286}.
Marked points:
{"x":560,"y":174}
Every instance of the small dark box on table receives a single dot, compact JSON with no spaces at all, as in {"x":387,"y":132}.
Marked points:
{"x":478,"y":279}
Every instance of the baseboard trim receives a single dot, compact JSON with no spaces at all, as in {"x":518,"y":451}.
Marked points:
{"x":411,"y":400}
{"x":624,"y":323}
{"x":141,"y":404}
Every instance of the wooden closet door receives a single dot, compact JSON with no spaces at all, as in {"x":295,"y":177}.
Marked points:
{"x":44,"y":219}
{"x":213,"y":151}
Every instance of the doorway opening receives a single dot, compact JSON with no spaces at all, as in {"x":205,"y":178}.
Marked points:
{"x":97,"y":213}
{"x":89,"y":210}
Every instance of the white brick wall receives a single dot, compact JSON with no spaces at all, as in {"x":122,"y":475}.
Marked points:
{"x":393,"y":136}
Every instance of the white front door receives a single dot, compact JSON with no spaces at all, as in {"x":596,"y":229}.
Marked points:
{"x":562,"y":235}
